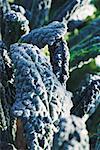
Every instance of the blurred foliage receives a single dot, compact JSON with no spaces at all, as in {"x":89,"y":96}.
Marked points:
{"x":96,"y":3}
{"x":11,"y":1}
{"x":79,"y":74}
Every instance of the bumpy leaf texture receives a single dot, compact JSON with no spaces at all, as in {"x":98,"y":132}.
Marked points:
{"x":3,"y":75}
{"x":6,"y":96}
{"x":71,"y":135}
{"x":51,"y":35}
{"x":46,"y":35}
{"x":15,"y":26}
{"x":22,"y":10}
{"x":40,"y":98}
{"x":59,"y":57}
{"x":18,"y":8}
{"x":87,"y":97}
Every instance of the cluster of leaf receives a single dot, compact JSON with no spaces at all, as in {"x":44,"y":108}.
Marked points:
{"x":35,"y":102}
